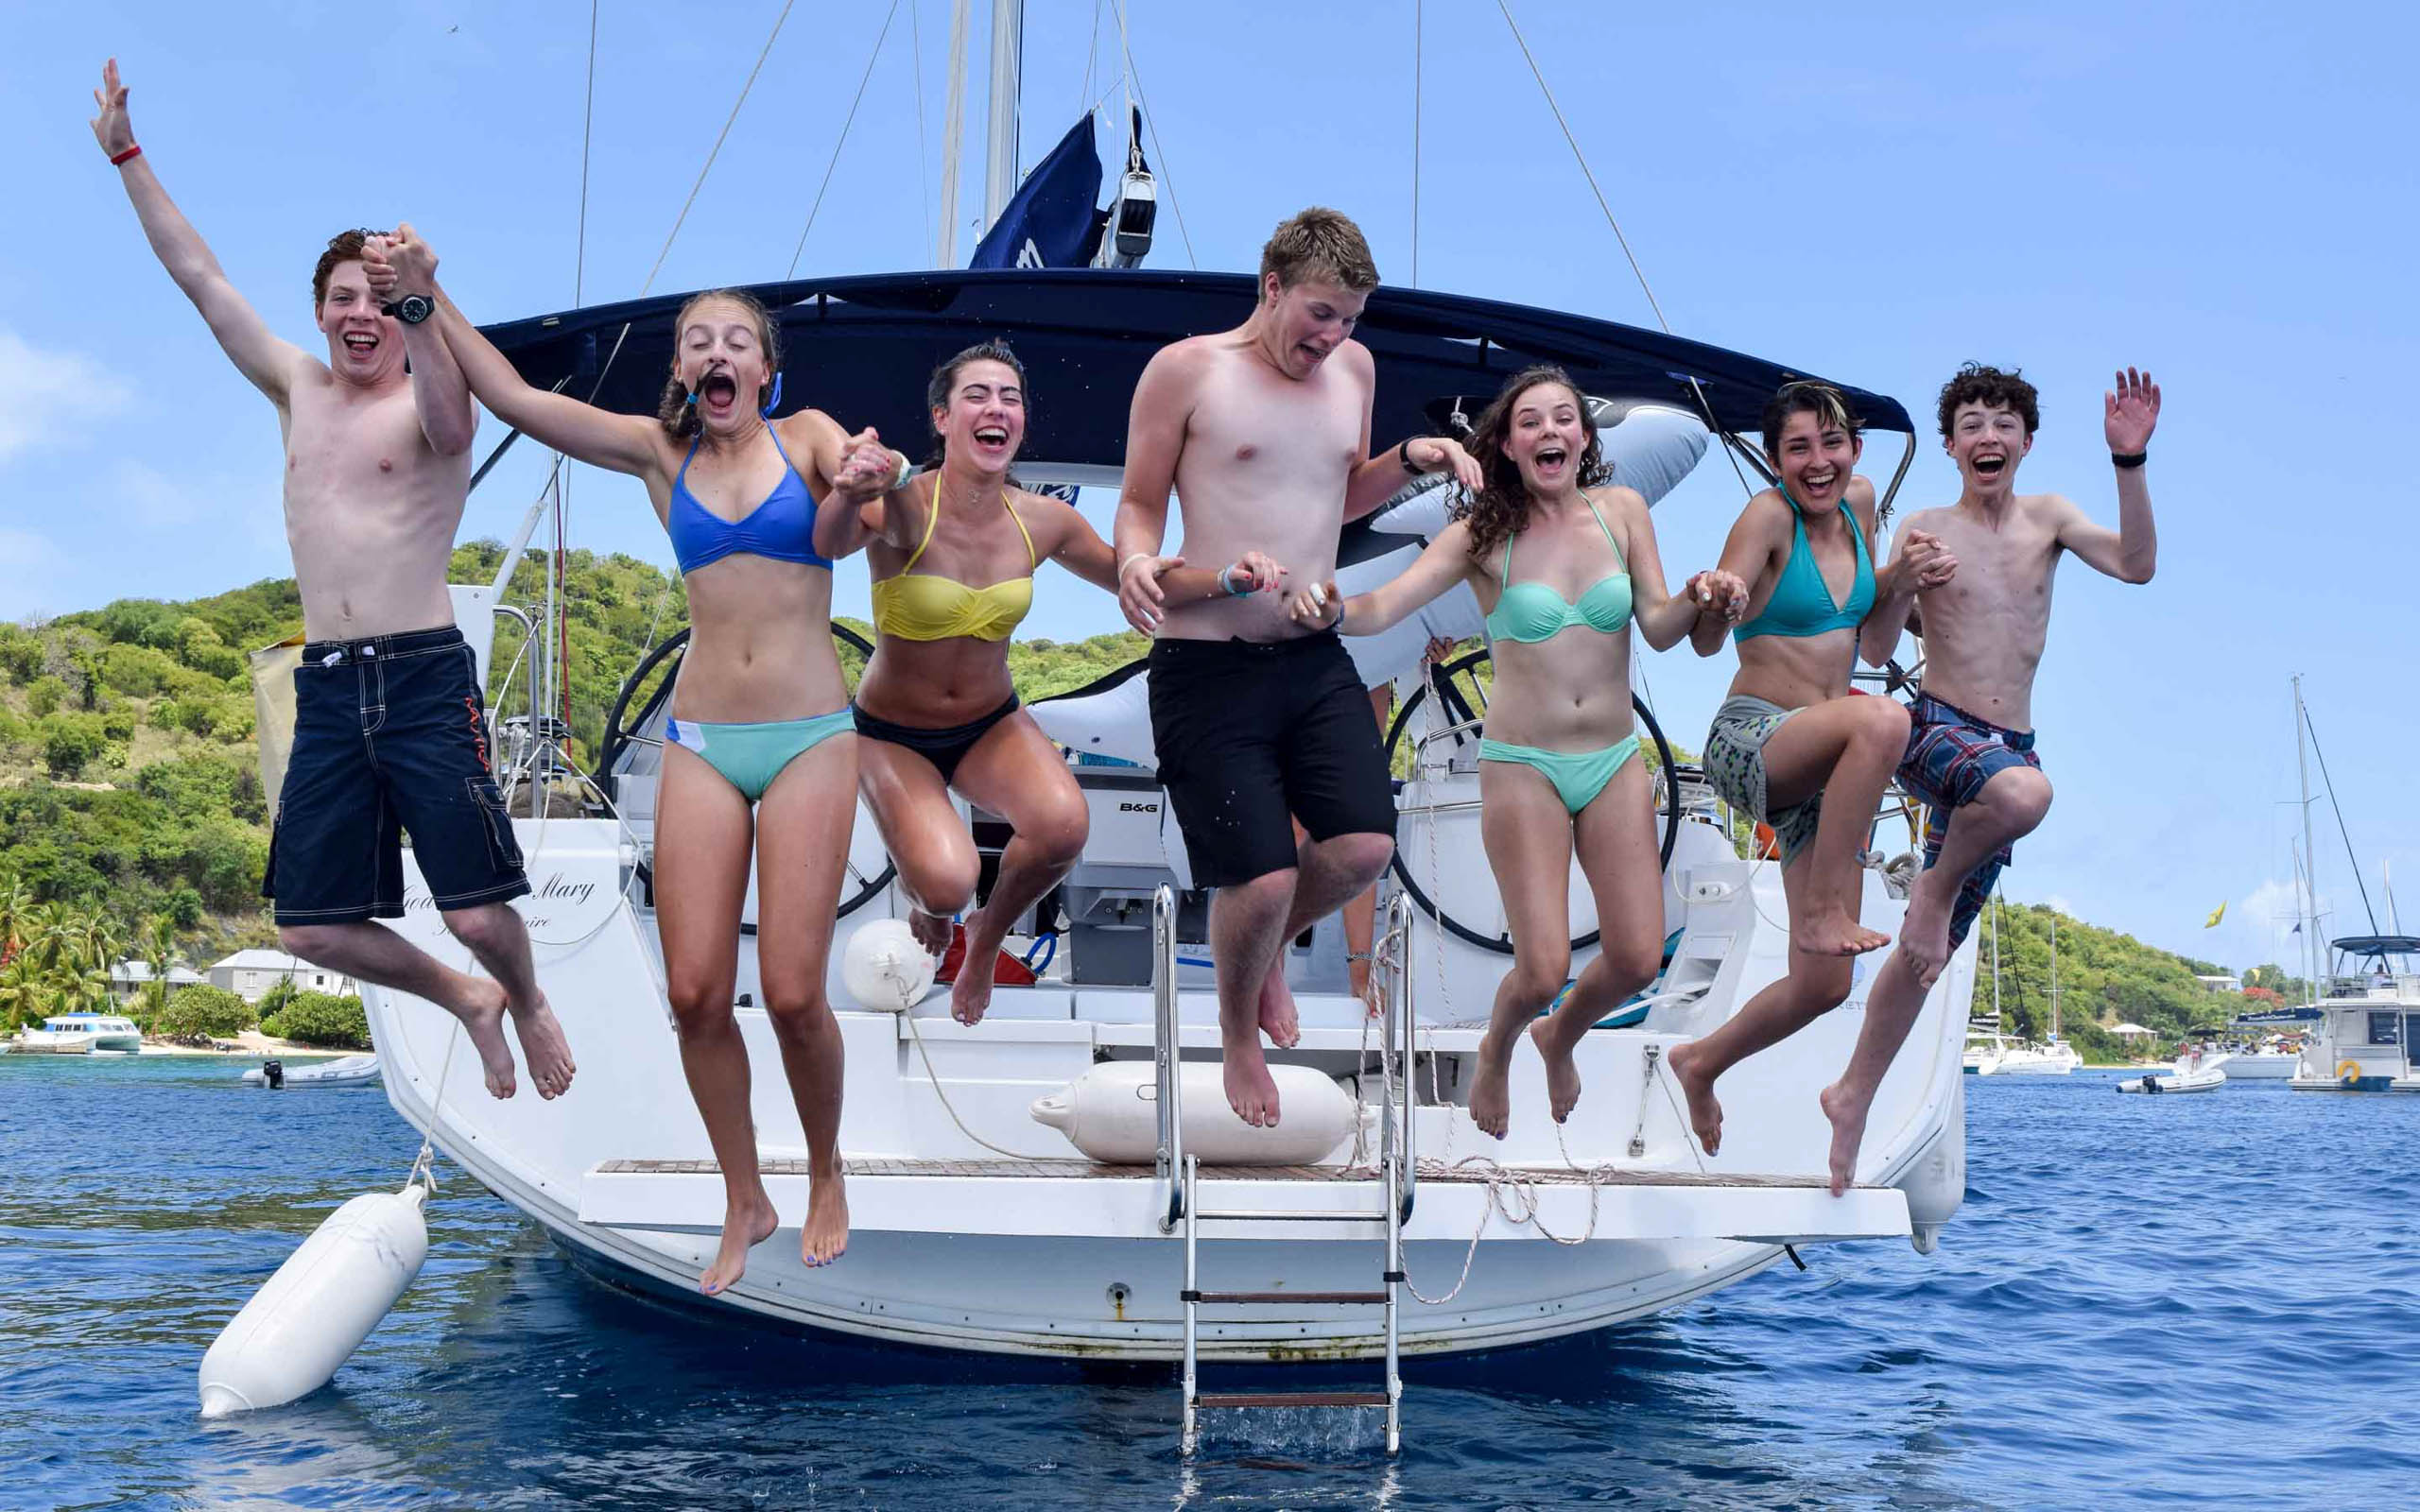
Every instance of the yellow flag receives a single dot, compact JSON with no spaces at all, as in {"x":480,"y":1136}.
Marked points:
{"x":2216,"y":914}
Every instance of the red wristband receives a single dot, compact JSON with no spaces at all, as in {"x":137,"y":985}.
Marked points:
{"x":127,"y":156}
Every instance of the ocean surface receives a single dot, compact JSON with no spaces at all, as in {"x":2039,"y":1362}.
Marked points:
{"x":2205,"y":1301}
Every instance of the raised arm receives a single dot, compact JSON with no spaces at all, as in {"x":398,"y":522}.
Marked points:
{"x":269,"y":363}
{"x":2131,"y":552}
{"x":620,"y":444}
{"x":1663,"y":617}
{"x":1154,"y":438}
{"x":440,"y":395}
{"x":865,"y":482}
{"x":1918,"y":562}
{"x":1446,"y":562}
{"x":1376,"y":479}
{"x":1747,"y":556}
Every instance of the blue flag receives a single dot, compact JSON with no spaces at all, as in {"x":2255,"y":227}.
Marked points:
{"x":1052,"y":222}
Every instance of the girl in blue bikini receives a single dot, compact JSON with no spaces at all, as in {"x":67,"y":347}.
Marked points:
{"x":1565,"y":565}
{"x":761,"y":751}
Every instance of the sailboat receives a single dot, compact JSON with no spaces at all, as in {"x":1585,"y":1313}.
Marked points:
{"x":977,"y":1228}
{"x":2055,"y":1057}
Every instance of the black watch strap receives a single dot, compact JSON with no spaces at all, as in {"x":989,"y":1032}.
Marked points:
{"x":1403,"y":454}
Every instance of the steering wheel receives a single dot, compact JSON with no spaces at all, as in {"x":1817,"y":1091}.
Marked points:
{"x":1462,"y":697}
{"x":666,"y":657}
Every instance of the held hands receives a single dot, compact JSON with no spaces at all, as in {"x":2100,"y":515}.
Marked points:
{"x":1925,"y":561}
{"x":1252,"y":572}
{"x":2129,"y":412}
{"x":1317,"y":604}
{"x":1139,"y":595}
{"x":398,"y":264}
{"x":867,"y":467}
{"x":1432,"y":454}
{"x":1719,"y":593}
{"x":111,"y":128}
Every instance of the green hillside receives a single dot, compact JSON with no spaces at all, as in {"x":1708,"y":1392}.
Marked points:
{"x":132,"y":813}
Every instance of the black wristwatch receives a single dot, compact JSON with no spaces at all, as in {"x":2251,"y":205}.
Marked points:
{"x":1403,"y":454}
{"x":411,"y":309}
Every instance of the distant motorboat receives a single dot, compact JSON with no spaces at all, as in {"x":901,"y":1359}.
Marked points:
{"x":80,"y":1034}
{"x":1985,"y":1046}
{"x":2057,"y":1059}
{"x":2193,"y":1073}
{"x":350,"y":1070}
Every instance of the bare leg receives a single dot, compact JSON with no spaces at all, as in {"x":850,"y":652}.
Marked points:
{"x":802,"y":846}
{"x":1847,"y":749}
{"x":1527,"y":836}
{"x":1616,"y":838}
{"x":927,"y":841}
{"x":1814,"y":986}
{"x":1327,"y":872}
{"x":2011,"y":805}
{"x":372,"y":953}
{"x":1015,"y":772}
{"x":497,"y":937}
{"x":700,"y":886}
{"x":1247,"y":930}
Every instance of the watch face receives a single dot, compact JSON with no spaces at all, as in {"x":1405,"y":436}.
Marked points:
{"x":413,"y":308}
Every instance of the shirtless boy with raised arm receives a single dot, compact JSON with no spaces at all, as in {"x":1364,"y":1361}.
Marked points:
{"x":389,"y":720}
{"x":1264,"y":433}
{"x":1981,"y":571}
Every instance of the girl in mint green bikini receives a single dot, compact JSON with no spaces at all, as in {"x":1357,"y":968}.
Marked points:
{"x":1559,"y":772}
{"x":761,"y":754}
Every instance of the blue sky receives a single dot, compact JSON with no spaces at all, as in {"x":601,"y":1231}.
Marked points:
{"x":2223,"y":194}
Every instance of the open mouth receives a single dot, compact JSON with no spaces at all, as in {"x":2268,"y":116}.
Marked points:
{"x":360,"y":343}
{"x":1551,"y":457}
{"x":1818,"y":481}
{"x":1990,"y":465}
{"x":992,"y":435}
{"x":718,"y":390}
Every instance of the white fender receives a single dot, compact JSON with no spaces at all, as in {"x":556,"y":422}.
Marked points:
{"x":1111,"y":1112}
{"x":884,"y":966}
{"x":1935,"y":1181}
{"x":319,"y":1307}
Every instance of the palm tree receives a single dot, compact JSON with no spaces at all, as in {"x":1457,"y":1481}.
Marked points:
{"x":14,"y":903}
{"x":157,"y":939}
{"x":99,"y":939}
{"x":47,"y":935}
{"x":23,"y":998}
{"x":75,"y":989}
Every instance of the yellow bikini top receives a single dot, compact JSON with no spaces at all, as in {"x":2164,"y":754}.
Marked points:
{"x":930,"y":608}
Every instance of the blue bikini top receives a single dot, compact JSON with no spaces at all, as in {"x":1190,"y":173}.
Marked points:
{"x":1532,"y":612}
{"x":1801,"y":603}
{"x":782,"y":527}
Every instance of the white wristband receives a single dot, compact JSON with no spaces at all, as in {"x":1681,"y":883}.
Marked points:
{"x":900,"y":474}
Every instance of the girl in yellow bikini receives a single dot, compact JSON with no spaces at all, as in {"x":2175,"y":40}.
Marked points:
{"x":953,"y":555}
{"x":1563,"y":565}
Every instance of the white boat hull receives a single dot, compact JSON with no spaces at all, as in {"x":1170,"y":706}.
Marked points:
{"x":956,"y":1246}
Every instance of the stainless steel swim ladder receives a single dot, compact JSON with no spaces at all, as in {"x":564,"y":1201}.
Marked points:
{"x":1180,"y":1180}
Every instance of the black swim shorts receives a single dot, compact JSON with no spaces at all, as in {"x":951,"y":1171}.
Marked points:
{"x":390,"y":735}
{"x":1250,"y":732}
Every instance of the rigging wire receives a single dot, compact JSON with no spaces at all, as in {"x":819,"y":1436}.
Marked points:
{"x":719,"y":137}
{"x":2341,"y":830}
{"x":1092,"y":56}
{"x":916,"y":61}
{"x":1151,"y":124}
{"x":863,"y":79}
{"x":1418,"y":27}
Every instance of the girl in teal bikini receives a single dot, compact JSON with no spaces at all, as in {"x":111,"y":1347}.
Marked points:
{"x":1565,"y":565}
{"x":761,"y":754}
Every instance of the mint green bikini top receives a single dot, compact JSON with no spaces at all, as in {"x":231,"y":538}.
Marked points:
{"x":1801,"y":604}
{"x":1532,"y":612}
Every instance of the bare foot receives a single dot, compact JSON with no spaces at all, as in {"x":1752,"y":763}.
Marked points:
{"x":971,"y":994}
{"x":483,"y":1020}
{"x":931,"y":931}
{"x":1847,"y":1113}
{"x":1252,"y":1091}
{"x":1278,"y":1018}
{"x":1491,"y":1090}
{"x":545,"y":1048}
{"x":825,"y":1237}
{"x":1923,"y":934}
{"x":1705,"y":1114}
{"x":744,"y":1226}
{"x":1554,"y":1041}
{"x":1832,"y":932}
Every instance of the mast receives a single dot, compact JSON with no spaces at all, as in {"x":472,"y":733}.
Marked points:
{"x":1998,"y":915}
{"x":1007,"y":75}
{"x":2310,"y":855}
{"x":2054,"y":975}
{"x":953,"y":132}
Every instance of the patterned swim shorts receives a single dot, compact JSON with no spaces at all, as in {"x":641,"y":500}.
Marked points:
{"x":1950,"y":756}
{"x":1735,"y":765}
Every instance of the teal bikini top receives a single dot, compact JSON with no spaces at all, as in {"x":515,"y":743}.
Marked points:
{"x":1801,"y":604}
{"x":1532,"y":612}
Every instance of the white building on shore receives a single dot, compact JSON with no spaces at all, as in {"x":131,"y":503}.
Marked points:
{"x":250,"y":973}
{"x":129,"y":978}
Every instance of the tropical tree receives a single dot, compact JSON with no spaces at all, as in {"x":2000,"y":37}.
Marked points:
{"x":24,"y":996}
{"x":47,"y":935}
{"x":157,"y":939}
{"x":79,"y":989}
{"x":15,"y":903}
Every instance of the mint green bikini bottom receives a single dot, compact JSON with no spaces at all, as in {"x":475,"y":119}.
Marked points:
{"x":1578,"y":776}
{"x":750,"y":756}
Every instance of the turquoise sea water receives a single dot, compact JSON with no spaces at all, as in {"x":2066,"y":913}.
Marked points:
{"x":2201,"y":1301}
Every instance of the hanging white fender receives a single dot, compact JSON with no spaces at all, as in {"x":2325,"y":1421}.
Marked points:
{"x":1111,"y":1112}
{"x":319,"y":1307}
